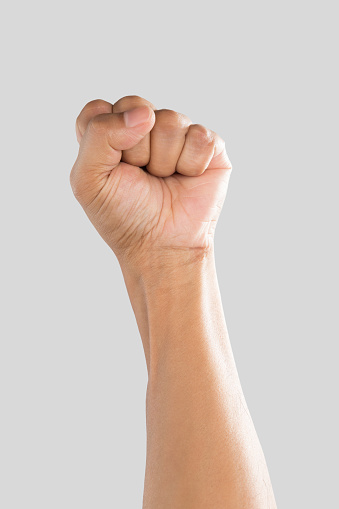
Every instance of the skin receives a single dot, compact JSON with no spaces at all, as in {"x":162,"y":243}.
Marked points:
{"x":154,"y":192}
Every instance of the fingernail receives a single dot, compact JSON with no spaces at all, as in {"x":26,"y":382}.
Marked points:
{"x":137,"y":116}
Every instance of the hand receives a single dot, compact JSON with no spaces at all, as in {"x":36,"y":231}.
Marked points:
{"x":149,"y":180}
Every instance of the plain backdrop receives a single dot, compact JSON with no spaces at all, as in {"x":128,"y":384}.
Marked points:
{"x":264,"y":75}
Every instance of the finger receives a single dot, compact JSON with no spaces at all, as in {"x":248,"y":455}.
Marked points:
{"x":101,"y":147}
{"x":92,"y":109}
{"x":198,"y":151}
{"x":167,"y":141}
{"x":220,"y":159}
{"x":140,"y":154}
{"x":203,"y":149}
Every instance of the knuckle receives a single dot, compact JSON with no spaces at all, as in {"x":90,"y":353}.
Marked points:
{"x":97,"y":104}
{"x":126,"y":99}
{"x":99,"y":124}
{"x":130,"y":101}
{"x":92,"y":109}
{"x":169,"y":120}
{"x":219,"y":140}
{"x":220,"y":147}
{"x":201,"y":135}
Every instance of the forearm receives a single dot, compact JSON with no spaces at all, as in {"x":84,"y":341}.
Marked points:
{"x":202,"y":448}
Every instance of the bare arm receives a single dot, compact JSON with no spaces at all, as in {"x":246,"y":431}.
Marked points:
{"x":202,"y":448}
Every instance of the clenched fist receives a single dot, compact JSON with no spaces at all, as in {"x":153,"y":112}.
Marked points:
{"x":149,"y":180}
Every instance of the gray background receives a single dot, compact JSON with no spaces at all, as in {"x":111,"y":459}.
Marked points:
{"x":72,"y":373}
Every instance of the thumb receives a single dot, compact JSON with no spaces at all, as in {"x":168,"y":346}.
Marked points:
{"x":101,"y":146}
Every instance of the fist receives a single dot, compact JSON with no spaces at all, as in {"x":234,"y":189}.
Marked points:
{"x":149,"y":180}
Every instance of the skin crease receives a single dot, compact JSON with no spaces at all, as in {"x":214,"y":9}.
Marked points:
{"x":154,"y":192}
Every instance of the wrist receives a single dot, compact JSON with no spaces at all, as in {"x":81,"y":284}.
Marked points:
{"x":169,"y":285}
{"x":165,"y":266}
